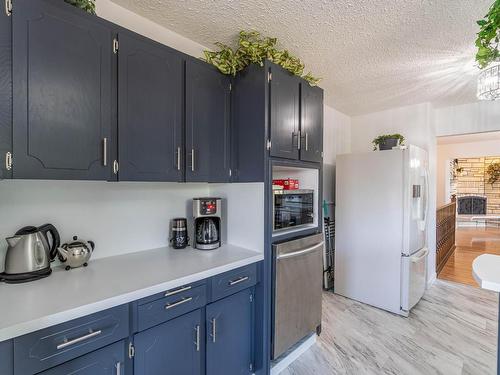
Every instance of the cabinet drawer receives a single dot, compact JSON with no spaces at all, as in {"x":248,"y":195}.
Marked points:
{"x":52,"y":346}
{"x":173,"y":304}
{"x":233,"y":281}
{"x":106,"y":361}
{"x":6,"y":358}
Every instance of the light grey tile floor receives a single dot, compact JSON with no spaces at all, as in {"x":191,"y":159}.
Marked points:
{"x":452,"y":330}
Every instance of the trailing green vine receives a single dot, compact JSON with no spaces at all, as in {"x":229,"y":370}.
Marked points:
{"x":86,"y":5}
{"x":493,"y":172}
{"x":488,"y":37}
{"x":255,"y":49}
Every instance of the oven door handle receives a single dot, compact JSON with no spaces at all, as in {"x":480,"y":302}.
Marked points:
{"x":300,"y":252}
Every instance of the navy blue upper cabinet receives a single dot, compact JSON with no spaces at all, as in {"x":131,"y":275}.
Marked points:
{"x":63,"y":83}
{"x":174,"y":347}
{"x":207,"y":123}
{"x":311,"y":124}
{"x":284,"y":113}
{"x":230,"y":335}
{"x":150,"y":105}
{"x":5,"y":95}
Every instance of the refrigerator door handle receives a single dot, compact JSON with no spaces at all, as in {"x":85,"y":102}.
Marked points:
{"x":416,"y":259}
{"x":426,"y":209}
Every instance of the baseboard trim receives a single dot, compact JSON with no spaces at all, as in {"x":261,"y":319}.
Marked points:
{"x":431,"y":280}
{"x":293,"y":355}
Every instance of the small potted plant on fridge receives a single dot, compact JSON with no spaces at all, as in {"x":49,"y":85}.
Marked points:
{"x":388,"y":142}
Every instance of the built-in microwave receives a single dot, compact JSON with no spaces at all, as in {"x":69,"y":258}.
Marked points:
{"x":292,"y":209}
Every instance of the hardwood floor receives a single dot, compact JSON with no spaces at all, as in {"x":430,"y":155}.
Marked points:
{"x":451,"y":331}
{"x":470,"y":243}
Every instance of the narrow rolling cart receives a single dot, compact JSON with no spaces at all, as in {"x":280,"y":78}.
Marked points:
{"x":329,"y":253}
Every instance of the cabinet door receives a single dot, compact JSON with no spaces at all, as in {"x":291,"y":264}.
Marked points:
{"x":173,"y":347}
{"x":150,"y":90}
{"x":6,"y":358}
{"x":207,"y":123}
{"x":230,"y":335}
{"x":5,"y":94}
{"x":106,"y":361}
{"x":311,"y":125}
{"x":62,"y":75}
{"x":284,"y":107}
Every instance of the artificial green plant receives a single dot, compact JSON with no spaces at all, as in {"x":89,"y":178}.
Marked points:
{"x":86,"y":5}
{"x":488,"y":37}
{"x":493,"y":172}
{"x":255,"y":49}
{"x":382,"y":138}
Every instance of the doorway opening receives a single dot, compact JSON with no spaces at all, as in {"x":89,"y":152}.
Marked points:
{"x":468,"y":200}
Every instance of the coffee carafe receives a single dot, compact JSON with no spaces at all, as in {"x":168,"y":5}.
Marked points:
{"x":207,"y":223}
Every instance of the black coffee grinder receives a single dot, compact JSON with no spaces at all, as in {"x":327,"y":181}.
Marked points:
{"x":179,"y":236}
{"x":207,"y":223}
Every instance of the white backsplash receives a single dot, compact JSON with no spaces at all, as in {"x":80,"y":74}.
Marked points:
{"x":120,"y":217}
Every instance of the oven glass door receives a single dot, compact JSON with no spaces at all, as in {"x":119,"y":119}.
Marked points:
{"x":293,"y":209}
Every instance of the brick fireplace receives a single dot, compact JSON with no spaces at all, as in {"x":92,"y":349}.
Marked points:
{"x":469,"y":183}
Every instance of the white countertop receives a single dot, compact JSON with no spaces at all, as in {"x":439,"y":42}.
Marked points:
{"x":109,"y":282}
{"x":486,"y":271}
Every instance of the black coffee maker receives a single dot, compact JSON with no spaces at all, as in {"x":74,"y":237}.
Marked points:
{"x":179,"y":236}
{"x":207,"y":223}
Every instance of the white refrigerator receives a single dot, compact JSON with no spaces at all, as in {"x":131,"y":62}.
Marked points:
{"x":381,"y":228}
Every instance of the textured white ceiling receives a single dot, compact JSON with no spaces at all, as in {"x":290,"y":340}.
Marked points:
{"x":372,"y":54}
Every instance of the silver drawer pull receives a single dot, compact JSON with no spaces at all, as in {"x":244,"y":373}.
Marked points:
{"x":177,"y":291}
{"x":197,"y":342}
{"x":65,"y":344}
{"x":182,"y":301}
{"x":214,"y":330}
{"x":118,"y":368}
{"x":237,"y":281}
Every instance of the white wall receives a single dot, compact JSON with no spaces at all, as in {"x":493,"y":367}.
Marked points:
{"x":336,"y":140}
{"x":416,"y":124}
{"x":447,"y":152}
{"x":477,"y":117}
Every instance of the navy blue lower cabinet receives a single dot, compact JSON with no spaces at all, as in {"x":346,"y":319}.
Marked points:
{"x":6,"y":358}
{"x":106,"y":361}
{"x":174,"y":347}
{"x":230,"y":335}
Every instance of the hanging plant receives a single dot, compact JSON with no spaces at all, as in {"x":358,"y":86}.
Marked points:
{"x":493,"y":172}
{"x":488,"y":37}
{"x":86,"y":5}
{"x":255,"y":49}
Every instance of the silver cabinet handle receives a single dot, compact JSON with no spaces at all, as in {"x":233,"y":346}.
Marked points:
{"x":178,"y":303}
{"x":8,"y":161}
{"x":214,"y":329}
{"x":299,"y":138}
{"x":237,"y":281}
{"x":301,"y":252}
{"x":178,"y":158}
{"x":177,"y":291}
{"x":197,"y":342}
{"x":78,"y":339}
{"x":116,"y":167}
{"x":105,"y":152}
{"x":118,"y":367}
{"x":307,"y":143}
{"x":192,"y":159}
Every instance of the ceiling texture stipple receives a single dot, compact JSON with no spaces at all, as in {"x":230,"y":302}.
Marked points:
{"x":371,"y":54}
